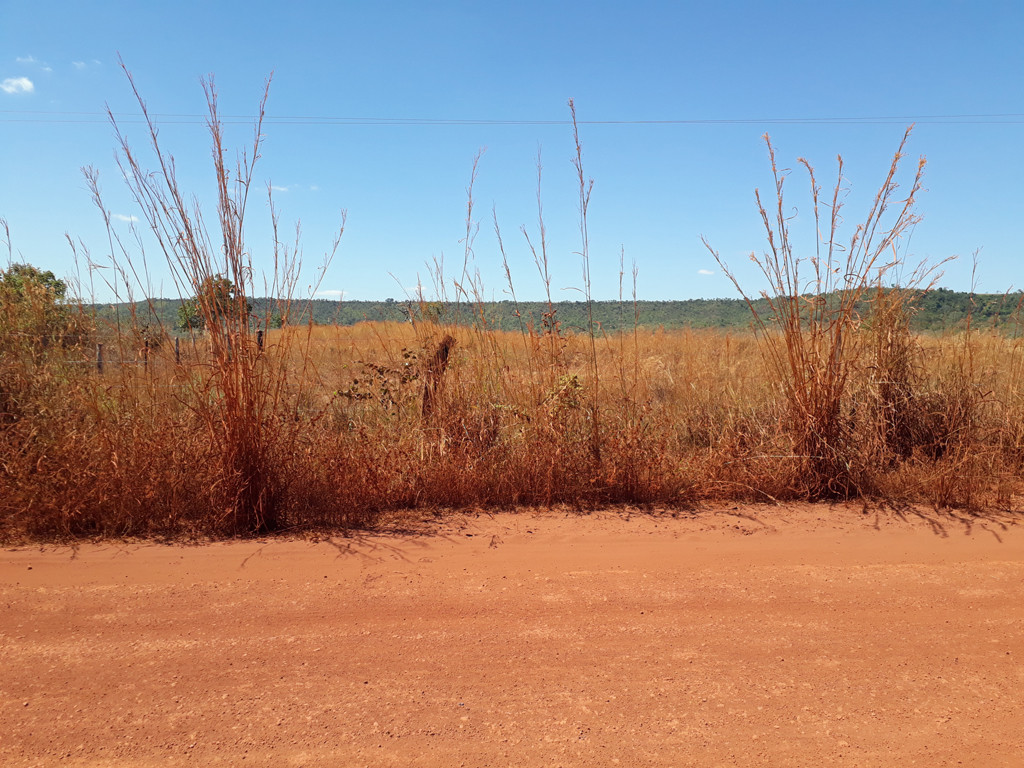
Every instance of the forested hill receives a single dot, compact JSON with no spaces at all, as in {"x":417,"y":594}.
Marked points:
{"x":936,"y":310}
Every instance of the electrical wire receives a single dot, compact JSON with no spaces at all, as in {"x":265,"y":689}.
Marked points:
{"x":125,"y":118}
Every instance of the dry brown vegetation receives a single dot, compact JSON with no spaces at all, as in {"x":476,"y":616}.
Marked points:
{"x":341,"y":431}
{"x":322,"y":426}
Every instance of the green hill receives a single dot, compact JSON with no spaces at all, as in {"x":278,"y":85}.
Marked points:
{"x":937,"y":310}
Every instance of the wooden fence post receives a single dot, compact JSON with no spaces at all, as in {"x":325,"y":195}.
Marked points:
{"x":177,"y":350}
{"x":145,"y":357}
{"x":99,"y":358}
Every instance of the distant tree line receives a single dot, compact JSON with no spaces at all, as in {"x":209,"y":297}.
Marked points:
{"x":936,"y":310}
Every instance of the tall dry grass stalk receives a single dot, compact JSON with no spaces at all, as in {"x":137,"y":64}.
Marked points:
{"x":236,"y":402}
{"x":236,"y":405}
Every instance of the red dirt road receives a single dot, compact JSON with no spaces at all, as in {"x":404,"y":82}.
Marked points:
{"x":776,"y":636}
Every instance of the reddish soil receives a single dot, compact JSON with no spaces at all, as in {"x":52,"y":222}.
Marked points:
{"x":776,"y":636}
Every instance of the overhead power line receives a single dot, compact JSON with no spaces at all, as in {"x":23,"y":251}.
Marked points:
{"x":126,"y":118}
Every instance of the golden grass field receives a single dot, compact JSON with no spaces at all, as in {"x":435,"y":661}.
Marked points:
{"x":331,"y":426}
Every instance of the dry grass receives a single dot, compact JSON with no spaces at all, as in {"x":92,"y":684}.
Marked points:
{"x":330,"y":427}
{"x":686,"y":416}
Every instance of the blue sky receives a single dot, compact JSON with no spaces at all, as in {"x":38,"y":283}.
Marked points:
{"x":759,"y":66}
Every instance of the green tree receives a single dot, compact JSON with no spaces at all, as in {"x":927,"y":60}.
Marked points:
{"x":221,"y":298}
{"x":20,"y":281}
{"x":189,"y":316}
{"x":37,"y":333}
{"x":216,"y":300}
{"x":32,"y":308}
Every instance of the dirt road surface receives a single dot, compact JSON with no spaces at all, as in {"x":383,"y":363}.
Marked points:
{"x":775,"y":636}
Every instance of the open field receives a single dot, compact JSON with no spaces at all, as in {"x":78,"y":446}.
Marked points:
{"x":331,"y":427}
{"x":778,"y":636}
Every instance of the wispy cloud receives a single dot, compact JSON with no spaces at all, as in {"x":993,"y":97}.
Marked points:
{"x":32,"y":60}
{"x":277,"y":188}
{"x":122,"y":217}
{"x":314,"y":188}
{"x":705,"y":272}
{"x":331,"y":292}
{"x":79,"y":64}
{"x":17,"y":85}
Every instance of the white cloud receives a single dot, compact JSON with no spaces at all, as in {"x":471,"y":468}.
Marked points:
{"x":705,"y":272}
{"x":314,"y":188}
{"x":78,"y":64}
{"x":331,"y":292}
{"x":17,"y":85}
{"x":122,"y":217}
{"x":278,"y":189}
{"x":43,"y":66}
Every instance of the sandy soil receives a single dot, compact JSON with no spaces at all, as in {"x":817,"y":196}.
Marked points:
{"x":758,"y":636}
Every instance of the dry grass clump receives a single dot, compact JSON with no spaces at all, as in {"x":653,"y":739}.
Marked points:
{"x":243,"y":430}
{"x":850,"y":379}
